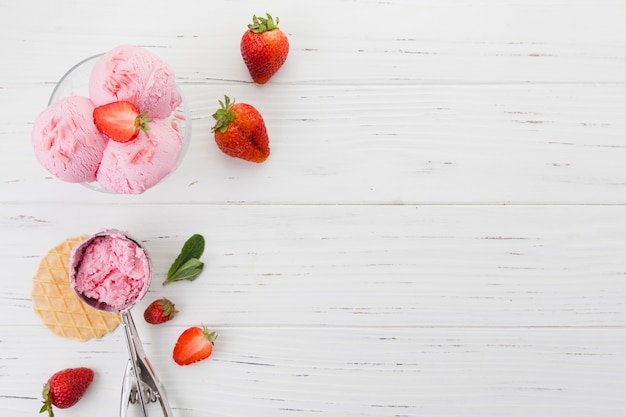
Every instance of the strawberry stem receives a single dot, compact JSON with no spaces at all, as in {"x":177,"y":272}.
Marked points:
{"x":210,"y":336}
{"x":224,"y":115}
{"x":47,"y":403}
{"x":261,"y":24}
{"x":142,"y":122}
{"x":169,"y":309}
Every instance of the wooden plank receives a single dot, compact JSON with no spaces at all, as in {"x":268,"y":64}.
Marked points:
{"x":362,"y":42}
{"x":357,"y":266}
{"x":508,"y":144}
{"x":337,"y":371}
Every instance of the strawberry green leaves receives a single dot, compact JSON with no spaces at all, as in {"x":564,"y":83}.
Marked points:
{"x":261,"y":24}
{"x":187,"y":265}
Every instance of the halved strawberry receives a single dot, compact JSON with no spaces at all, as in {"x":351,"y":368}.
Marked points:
{"x":120,"y":120}
{"x":193,"y":345}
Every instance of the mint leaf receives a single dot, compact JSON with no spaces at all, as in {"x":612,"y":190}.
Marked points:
{"x":192,"y":250}
{"x":187,"y":271}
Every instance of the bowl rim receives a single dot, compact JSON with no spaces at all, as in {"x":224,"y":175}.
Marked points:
{"x":68,"y":73}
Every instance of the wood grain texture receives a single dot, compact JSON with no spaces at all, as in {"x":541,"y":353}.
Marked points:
{"x":439,"y":230}
{"x":361,"y":265}
{"x":356,"y":372}
{"x":395,"y":42}
{"x":440,"y":144}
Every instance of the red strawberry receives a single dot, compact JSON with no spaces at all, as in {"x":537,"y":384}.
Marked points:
{"x":193,"y":345}
{"x":264,"y":48}
{"x":160,"y":311}
{"x":65,"y":388}
{"x":120,"y":120}
{"x":240,"y":131}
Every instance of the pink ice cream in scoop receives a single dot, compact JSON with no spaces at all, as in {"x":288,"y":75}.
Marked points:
{"x":66,"y":141}
{"x":134,"y":74}
{"x":111,"y":270}
{"x":135,"y":166}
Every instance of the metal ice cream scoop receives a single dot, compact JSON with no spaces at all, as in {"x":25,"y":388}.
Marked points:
{"x":140,"y":385}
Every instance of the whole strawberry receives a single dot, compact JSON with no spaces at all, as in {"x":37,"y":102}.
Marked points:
{"x":160,"y":311}
{"x":240,"y":131}
{"x":65,"y":388}
{"x":264,"y":48}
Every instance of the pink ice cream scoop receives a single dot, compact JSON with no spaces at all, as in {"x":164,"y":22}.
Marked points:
{"x":134,"y":74}
{"x":135,"y":166}
{"x":66,"y":141}
{"x":110,"y":271}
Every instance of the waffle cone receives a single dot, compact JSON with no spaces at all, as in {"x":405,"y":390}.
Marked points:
{"x":58,"y":305}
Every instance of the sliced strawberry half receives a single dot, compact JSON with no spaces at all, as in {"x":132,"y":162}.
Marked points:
{"x":193,"y":345}
{"x":120,"y":121}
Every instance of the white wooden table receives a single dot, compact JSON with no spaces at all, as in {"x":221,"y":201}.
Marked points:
{"x":439,"y":231}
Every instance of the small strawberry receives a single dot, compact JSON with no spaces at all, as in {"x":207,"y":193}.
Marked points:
{"x":193,"y":345}
{"x":160,"y":311}
{"x":65,"y":388}
{"x":240,"y":131}
{"x":264,"y":48}
{"x":120,"y":120}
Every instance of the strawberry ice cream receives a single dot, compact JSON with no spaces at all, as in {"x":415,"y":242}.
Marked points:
{"x":72,"y":146}
{"x":135,"y":166}
{"x":110,"y":271}
{"x":66,"y":142}
{"x":134,"y":74}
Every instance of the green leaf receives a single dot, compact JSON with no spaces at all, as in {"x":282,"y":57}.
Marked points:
{"x":188,"y":271}
{"x":192,"y":250}
{"x":262,"y":24}
{"x":47,"y":401}
{"x":224,"y":115}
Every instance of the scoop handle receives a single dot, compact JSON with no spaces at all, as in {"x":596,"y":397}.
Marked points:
{"x":140,"y":382}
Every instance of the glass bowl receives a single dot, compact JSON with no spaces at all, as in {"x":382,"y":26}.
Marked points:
{"x":75,"y":82}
